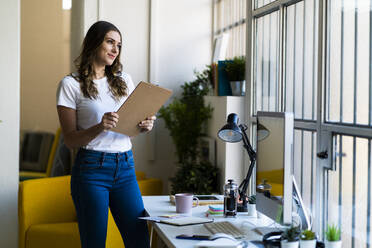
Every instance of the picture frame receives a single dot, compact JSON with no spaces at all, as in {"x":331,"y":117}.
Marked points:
{"x":220,"y":47}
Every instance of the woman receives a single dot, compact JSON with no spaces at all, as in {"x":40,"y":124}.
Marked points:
{"x":103,"y":175}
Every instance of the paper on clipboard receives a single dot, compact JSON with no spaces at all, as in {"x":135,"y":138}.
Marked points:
{"x":144,"y":101}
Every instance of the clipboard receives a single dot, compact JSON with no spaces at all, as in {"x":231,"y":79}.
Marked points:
{"x":187,"y":221}
{"x":143,"y":102}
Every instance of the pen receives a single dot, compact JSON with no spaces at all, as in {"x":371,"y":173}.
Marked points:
{"x":193,"y":237}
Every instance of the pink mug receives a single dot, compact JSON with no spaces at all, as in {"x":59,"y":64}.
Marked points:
{"x":184,"y":203}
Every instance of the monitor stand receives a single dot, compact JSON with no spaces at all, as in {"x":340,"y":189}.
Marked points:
{"x":299,"y":209}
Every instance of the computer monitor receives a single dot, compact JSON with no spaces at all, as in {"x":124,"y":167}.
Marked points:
{"x":273,"y":170}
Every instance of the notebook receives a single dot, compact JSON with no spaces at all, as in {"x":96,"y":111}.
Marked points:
{"x":186,"y":221}
{"x":178,"y":220}
{"x":143,"y":102}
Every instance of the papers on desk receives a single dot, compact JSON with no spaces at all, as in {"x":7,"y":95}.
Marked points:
{"x":178,"y":220}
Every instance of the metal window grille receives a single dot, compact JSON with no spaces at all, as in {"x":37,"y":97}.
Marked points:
{"x":323,"y":74}
{"x":260,"y":3}
{"x":348,"y":111}
{"x":349,"y":190}
{"x":266,"y":65}
{"x":349,"y":62}
{"x":314,"y":57}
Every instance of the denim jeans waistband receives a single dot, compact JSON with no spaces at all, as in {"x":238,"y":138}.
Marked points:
{"x":105,"y":154}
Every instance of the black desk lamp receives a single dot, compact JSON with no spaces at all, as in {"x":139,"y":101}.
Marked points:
{"x":233,"y":133}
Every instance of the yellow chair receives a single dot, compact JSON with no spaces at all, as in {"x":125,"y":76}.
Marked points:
{"x":47,"y":215}
{"x":32,"y":174}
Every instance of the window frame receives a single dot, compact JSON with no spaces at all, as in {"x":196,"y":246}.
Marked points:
{"x":325,"y":131}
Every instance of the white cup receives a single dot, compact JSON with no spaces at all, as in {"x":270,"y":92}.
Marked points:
{"x":184,"y":203}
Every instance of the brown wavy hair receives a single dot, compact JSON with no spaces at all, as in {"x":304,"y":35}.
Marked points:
{"x":84,"y":63}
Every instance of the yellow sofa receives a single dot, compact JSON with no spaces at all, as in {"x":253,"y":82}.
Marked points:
{"x":47,"y":215}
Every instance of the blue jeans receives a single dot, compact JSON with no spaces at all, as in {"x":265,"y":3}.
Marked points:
{"x":101,"y":180}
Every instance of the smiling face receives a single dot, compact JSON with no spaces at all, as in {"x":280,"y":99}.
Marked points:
{"x":110,"y":48}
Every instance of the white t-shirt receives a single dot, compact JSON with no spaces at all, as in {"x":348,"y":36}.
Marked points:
{"x":89,"y":112}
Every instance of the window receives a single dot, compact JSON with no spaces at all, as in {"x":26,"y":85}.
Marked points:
{"x":285,"y":79}
{"x":349,"y":190}
{"x":314,"y":58}
{"x":266,"y":63}
{"x":300,"y":56}
{"x":229,"y":18}
{"x":348,"y":63}
{"x":348,"y":116}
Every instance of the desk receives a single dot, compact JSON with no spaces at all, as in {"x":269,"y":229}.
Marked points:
{"x":160,"y":205}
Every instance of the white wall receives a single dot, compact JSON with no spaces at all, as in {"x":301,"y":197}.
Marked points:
{"x":132,"y":19}
{"x":183,"y":38}
{"x":179,"y":34}
{"x":9,"y":114}
{"x":183,"y":43}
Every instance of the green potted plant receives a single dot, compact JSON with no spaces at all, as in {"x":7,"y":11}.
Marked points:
{"x":186,"y":118}
{"x":308,"y":239}
{"x":235,"y":71}
{"x":290,"y":237}
{"x":252,"y":205}
{"x":333,"y":237}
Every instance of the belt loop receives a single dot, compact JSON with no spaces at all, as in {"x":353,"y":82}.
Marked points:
{"x":102,"y":158}
{"x":126,"y":156}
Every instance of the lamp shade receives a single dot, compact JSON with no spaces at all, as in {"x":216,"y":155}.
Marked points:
{"x":262,"y":132}
{"x":231,"y":131}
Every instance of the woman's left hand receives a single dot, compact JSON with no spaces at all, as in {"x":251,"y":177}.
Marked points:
{"x":147,"y":124}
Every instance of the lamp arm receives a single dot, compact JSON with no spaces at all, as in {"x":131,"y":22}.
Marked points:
{"x":244,"y":185}
{"x":247,"y":144}
{"x":252,"y":156}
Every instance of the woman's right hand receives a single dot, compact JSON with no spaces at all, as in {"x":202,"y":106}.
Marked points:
{"x":109,"y":120}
